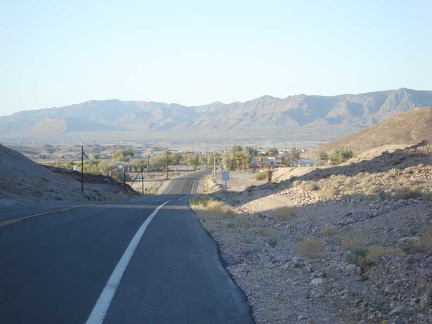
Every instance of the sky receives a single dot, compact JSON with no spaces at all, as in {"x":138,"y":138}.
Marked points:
{"x":55,"y":53}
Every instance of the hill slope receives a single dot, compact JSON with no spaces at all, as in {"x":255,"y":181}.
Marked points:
{"x":23,"y":181}
{"x":266,"y":115}
{"x":407,"y":128}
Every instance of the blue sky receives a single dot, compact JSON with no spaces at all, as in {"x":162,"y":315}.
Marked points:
{"x":56,"y":53}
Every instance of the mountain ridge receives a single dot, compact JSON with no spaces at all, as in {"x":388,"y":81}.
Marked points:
{"x":266,"y":115}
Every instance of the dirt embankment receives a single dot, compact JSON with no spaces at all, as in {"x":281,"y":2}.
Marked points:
{"x":342,"y":244}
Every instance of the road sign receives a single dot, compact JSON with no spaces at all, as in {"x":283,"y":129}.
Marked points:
{"x":225,"y":175}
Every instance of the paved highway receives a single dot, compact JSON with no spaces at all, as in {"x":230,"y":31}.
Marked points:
{"x":132,"y":261}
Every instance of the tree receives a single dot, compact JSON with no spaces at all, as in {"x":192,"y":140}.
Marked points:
{"x":273,"y":152}
{"x":340,"y":155}
{"x":123,"y":155}
{"x":295,"y":155}
{"x":322,"y":158}
{"x":192,"y":160}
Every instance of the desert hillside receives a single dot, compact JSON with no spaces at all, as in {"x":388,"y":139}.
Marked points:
{"x":406,"y":128}
{"x":337,"y":244}
{"x":23,"y":181}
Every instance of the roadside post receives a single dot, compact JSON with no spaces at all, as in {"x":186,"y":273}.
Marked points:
{"x":225,"y":177}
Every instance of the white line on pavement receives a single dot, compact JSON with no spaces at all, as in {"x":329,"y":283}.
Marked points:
{"x":100,"y":309}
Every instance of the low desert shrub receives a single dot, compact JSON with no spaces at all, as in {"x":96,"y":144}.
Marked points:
{"x":311,"y":186}
{"x":357,"y":255}
{"x":284,"y":213}
{"x":297,"y":183}
{"x":311,"y":248}
{"x":260,"y":176}
{"x":425,"y":242}
{"x":329,"y":230}
{"x":375,"y":252}
{"x":366,"y":256}
{"x":329,"y":192}
{"x":351,"y":242}
{"x":272,"y":241}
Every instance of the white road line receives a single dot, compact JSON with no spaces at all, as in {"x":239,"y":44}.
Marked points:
{"x":100,"y":309}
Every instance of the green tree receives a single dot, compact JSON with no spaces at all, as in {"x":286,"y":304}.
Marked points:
{"x":322,"y":158}
{"x":340,"y":155}
{"x":273,"y":152}
{"x":123,"y":155}
{"x":295,"y":155}
{"x":192,"y":160}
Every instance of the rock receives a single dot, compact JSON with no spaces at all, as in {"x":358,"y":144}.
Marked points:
{"x":309,"y":268}
{"x":317,"y":281}
{"x":399,"y":310}
{"x":426,"y":299}
{"x":392,"y":288}
{"x":297,"y":262}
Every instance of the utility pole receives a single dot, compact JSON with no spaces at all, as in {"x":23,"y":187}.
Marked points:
{"x":166,"y":163}
{"x":124,"y":178}
{"x":82,"y":168}
{"x":142,"y":180}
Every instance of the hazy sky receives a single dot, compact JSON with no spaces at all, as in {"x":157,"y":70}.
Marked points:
{"x":56,"y":53}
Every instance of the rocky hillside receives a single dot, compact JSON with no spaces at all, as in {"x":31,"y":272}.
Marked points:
{"x":316,"y":115}
{"x":407,"y":128}
{"x":339,"y":244}
{"x":23,"y":181}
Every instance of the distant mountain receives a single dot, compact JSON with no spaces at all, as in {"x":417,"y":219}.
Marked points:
{"x":407,"y":128}
{"x":319,"y":115}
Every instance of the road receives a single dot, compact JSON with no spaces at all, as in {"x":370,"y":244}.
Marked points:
{"x":131,"y":261}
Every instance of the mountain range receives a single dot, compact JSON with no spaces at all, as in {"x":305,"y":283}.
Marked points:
{"x":316,"y":117}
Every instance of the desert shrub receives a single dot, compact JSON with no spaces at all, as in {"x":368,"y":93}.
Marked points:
{"x":375,"y":252}
{"x":297,"y":183}
{"x":373,"y":189}
{"x":260,"y":176}
{"x":366,"y":256}
{"x":311,"y":186}
{"x":329,"y":192}
{"x":340,"y":155}
{"x":357,"y":255}
{"x":311,"y":248}
{"x":284,"y":213}
{"x":272,"y":241}
{"x":198,"y":201}
{"x":425,"y":243}
{"x":351,"y":242}
{"x":329,"y":230}
{"x":400,"y":194}
{"x":235,"y":222}
{"x":427,"y":196}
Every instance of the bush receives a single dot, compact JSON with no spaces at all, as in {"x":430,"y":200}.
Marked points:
{"x":329,"y":192}
{"x":272,"y":241}
{"x":340,"y":155}
{"x":285,"y":212}
{"x":366,"y":256}
{"x":351,"y":242}
{"x":260,"y":176}
{"x":310,"y":186}
{"x":311,"y":248}
{"x":329,"y":230}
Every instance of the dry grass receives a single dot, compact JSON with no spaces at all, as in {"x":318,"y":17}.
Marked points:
{"x":329,"y":192}
{"x":285,"y":213}
{"x":311,"y":248}
{"x":329,"y":230}
{"x":209,"y":206}
{"x":311,"y":186}
{"x":375,"y":252}
{"x":351,"y":242}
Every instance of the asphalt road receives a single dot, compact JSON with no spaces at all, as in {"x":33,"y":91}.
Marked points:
{"x":117,"y":262}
